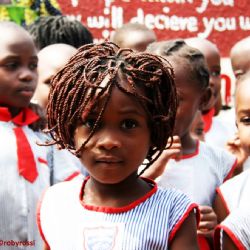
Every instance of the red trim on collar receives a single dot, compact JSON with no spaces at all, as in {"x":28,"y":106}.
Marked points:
{"x":196,"y":152}
{"x":123,"y":209}
{"x":25,"y":117}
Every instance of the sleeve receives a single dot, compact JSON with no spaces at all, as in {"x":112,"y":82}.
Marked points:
{"x":228,"y":164}
{"x":237,"y":228}
{"x":182,"y":207}
{"x":66,"y":166}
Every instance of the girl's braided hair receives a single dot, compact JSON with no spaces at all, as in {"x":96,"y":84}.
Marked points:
{"x":177,"y":49}
{"x":47,"y":30}
{"x":90,"y":76}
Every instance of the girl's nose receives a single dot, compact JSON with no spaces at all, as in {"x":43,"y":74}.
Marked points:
{"x":27,"y":75}
{"x":108,"y":140}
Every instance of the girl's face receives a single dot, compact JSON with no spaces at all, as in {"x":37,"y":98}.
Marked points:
{"x":243,"y":113}
{"x":213,"y":63}
{"x":119,"y":144}
{"x":18,"y":70}
{"x":189,"y":96}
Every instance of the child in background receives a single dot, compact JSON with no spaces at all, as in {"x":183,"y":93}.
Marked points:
{"x":239,"y":61}
{"x":227,"y":199}
{"x":234,"y":194}
{"x":115,"y":108}
{"x":47,"y":30}
{"x":134,"y":36}
{"x":50,"y":60}
{"x":217,"y":133}
{"x":24,"y":172}
{"x":198,"y":168}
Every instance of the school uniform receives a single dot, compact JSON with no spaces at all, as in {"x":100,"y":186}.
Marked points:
{"x":237,"y":227}
{"x":234,"y":193}
{"x":151,"y":222}
{"x":24,"y":175}
{"x":199,"y":174}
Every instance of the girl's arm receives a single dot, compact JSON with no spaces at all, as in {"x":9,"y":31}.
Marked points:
{"x":186,"y":236}
{"x":219,"y":208}
{"x":228,"y":244}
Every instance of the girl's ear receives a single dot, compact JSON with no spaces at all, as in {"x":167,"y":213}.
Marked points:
{"x":205,"y":98}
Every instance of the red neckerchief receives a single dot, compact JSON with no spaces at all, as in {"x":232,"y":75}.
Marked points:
{"x":26,"y":161}
{"x":208,"y":118}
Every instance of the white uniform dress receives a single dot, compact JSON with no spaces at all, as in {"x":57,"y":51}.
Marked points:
{"x":237,"y":227}
{"x":199,"y":174}
{"x":19,"y":197}
{"x":151,"y":222}
{"x":235,"y":192}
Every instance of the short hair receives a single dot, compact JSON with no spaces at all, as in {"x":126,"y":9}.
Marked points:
{"x":118,"y":35}
{"x":178,"y":49}
{"x":47,"y":30}
{"x":79,"y":86}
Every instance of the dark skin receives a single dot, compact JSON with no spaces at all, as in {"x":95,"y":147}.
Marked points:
{"x":112,"y":157}
{"x":228,"y":244}
{"x":220,"y":208}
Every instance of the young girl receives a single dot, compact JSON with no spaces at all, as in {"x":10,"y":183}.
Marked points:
{"x":233,"y":195}
{"x":114,"y":108}
{"x":24,"y":171}
{"x":196,"y":168}
{"x":217,"y":131}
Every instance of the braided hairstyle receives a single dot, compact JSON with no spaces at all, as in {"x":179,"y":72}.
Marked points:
{"x":178,"y":50}
{"x":90,"y":76}
{"x":47,"y":30}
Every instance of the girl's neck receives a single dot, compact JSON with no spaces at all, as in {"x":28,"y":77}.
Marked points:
{"x":115,"y":195}
{"x":188,"y":144}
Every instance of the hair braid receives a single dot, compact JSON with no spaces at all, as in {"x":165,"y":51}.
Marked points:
{"x":90,"y":76}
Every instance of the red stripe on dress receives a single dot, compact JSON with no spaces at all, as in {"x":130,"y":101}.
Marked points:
{"x":231,"y":235}
{"x":177,"y":226}
{"x":38,"y":219}
{"x":72,"y":176}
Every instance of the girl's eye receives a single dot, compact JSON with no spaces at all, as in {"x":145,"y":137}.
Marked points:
{"x":215,"y":73}
{"x":245,"y":120}
{"x":11,"y":65}
{"x":89,"y":123}
{"x":33,"y":66}
{"x":129,"y":124}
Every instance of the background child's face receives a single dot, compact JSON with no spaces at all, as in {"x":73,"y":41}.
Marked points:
{"x":240,"y":63}
{"x":138,"y":40}
{"x":51,"y":59}
{"x":189,"y":96}
{"x":18,"y":69}
{"x":243,"y":113}
{"x":213,"y":63}
{"x":120,"y":143}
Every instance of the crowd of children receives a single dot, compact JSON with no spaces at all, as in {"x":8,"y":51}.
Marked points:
{"x":119,"y":145}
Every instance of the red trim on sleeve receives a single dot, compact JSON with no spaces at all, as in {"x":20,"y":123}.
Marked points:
{"x":117,"y":209}
{"x":194,"y":153}
{"x":41,"y":160}
{"x":223,"y":200}
{"x":177,"y":226}
{"x":229,"y":175}
{"x":38,"y":219}
{"x":72,"y":176}
{"x":230,"y":234}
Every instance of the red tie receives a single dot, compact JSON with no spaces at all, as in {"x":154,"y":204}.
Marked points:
{"x":25,"y":156}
